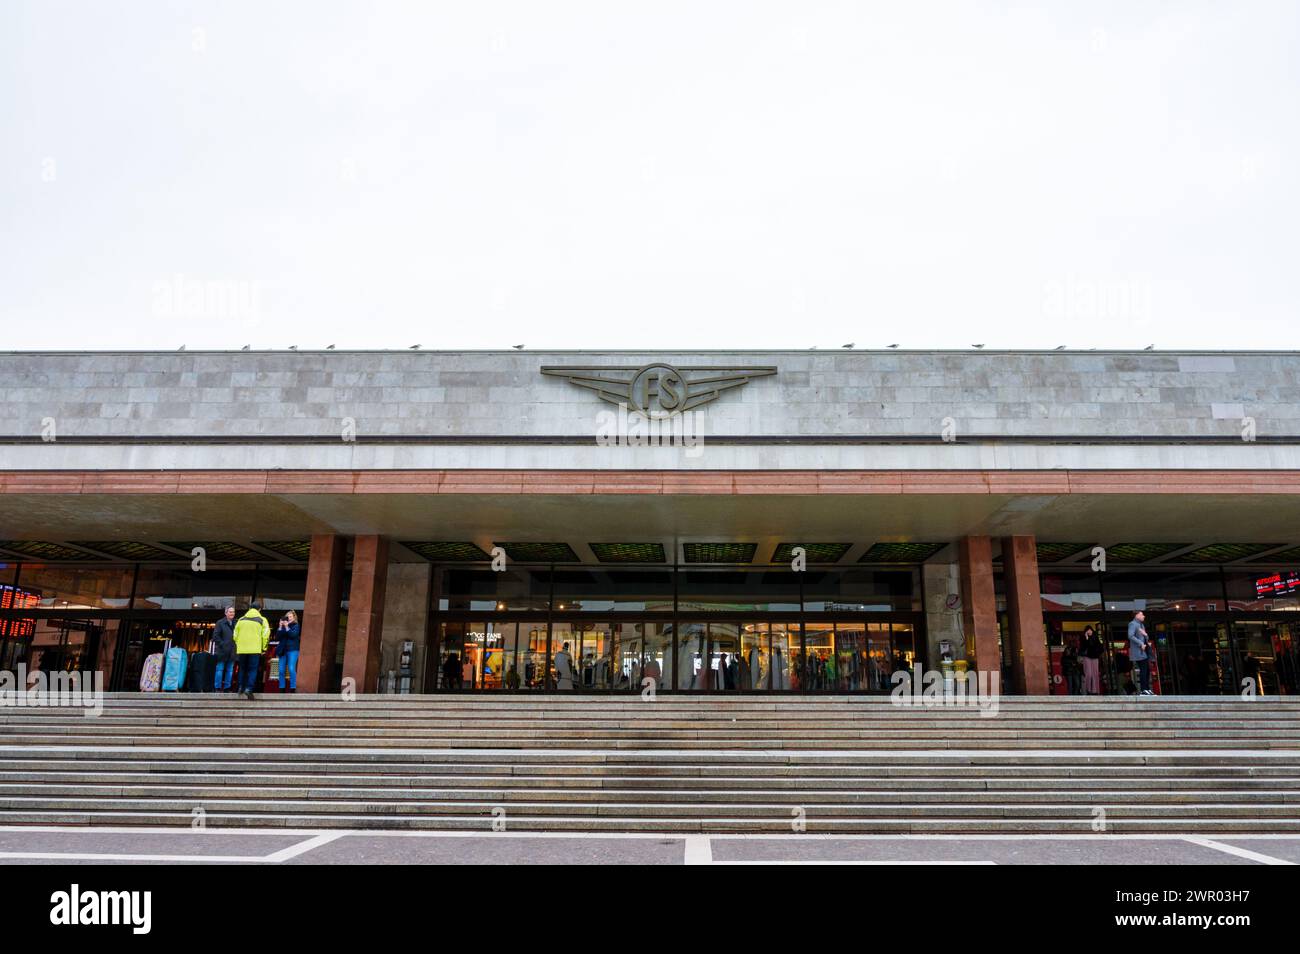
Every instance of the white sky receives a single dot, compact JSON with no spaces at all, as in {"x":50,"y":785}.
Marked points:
{"x":658,"y":174}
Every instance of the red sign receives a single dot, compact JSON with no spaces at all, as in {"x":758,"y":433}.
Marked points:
{"x":1278,"y":584}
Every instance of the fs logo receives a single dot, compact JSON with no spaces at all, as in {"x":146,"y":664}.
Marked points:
{"x":659,"y":390}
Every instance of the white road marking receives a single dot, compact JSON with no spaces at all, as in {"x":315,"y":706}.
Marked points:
{"x":699,"y":850}
{"x":850,"y":862}
{"x":1239,"y":852}
{"x":293,"y":851}
{"x":87,"y":856}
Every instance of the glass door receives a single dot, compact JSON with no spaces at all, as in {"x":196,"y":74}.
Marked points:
{"x":906,"y":651}
{"x":16,"y":643}
{"x":880,"y":658}
{"x":785,"y":656}
{"x":852,"y":666}
{"x":1261,"y":654}
{"x":819,"y":663}
{"x":566,"y":643}
{"x":755,"y":656}
{"x":655,"y":659}
{"x":530,"y":658}
{"x":724,"y":653}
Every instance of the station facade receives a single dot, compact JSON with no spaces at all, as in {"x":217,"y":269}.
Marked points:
{"x":731,"y":522}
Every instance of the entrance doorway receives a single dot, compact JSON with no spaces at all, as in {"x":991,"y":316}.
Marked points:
{"x":1266,"y":650}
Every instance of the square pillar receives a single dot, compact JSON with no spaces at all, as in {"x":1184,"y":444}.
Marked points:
{"x":366,"y":611}
{"x":320,"y":615}
{"x":1025,"y":614}
{"x":979,"y":602}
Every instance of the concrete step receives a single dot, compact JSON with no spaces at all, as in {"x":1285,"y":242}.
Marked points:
{"x":20,"y":782}
{"x":642,"y":808}
{"x":680,"y":764}
{"x":238,"y":794}
{"x":594,"y":824}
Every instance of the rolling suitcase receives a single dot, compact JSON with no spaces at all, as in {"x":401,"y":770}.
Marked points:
{"x":151,"y":673}
{"x":174,"y":674}
{"x":202,"y":674}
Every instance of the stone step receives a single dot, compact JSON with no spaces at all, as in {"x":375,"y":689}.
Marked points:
{"x":681,"y":764}
{"x":596,"y":824}
{"x":261,"y":708}
{"x":702,"y":745}
{"x":667,"y":760}
{"x":12,"y":781}
{"x":234,"y":794}
{"x":645,"y":809}
{"x":243,"y":721}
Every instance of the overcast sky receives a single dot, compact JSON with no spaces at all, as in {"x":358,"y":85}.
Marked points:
{"x":648,"y":175}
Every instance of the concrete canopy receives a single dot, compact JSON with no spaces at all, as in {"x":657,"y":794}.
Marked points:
{"x":578,"y":509}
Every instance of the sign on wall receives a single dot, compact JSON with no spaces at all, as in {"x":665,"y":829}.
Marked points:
{"x":659,"y":390}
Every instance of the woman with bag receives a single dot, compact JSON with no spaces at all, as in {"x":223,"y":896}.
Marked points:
{"x":290,"y":634}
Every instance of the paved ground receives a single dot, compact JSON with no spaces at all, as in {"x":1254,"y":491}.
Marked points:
{"x":27,"y":845}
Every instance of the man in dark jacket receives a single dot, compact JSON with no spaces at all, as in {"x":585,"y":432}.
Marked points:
{"x":223,"y":650}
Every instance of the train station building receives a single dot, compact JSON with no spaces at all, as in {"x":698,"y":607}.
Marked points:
{"x":741,"y":521}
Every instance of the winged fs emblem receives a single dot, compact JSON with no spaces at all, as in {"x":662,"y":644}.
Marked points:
{"x":659,"y":390}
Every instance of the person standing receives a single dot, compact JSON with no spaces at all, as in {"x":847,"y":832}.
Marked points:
{"x":650,"y":671}
{"x":252,"y":636}
{"x":290,"y":638}
{"x":223,"y":650}
{"x":1090,"y":658}
{"x":1071,"y":669}
{"x":563,"y":668}
{"x":1139,"y":651}
{"x":451,"y":672}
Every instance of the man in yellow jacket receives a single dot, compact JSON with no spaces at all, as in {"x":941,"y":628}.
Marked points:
{"x":252,"y":636}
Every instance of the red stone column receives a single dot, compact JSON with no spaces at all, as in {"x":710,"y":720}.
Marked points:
{"x":320,"y":615}
{"x":1025,"y":613}
{"x":366,"y":611}
{"x":979,"y":606}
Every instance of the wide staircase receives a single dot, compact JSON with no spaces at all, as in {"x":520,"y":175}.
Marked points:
{"x":675,"y":764}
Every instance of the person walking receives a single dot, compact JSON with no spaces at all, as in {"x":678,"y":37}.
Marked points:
{"x":290,"y":637}
{"x":223,"y":650}
{"x":252,"y":636}
{"x":1090,"y":658}
{"x":1139,"y":651}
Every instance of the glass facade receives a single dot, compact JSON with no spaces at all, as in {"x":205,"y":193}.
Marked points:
{"x":1213,"y":628}
{"x":109,"y":617}
{"x":715,"y":629}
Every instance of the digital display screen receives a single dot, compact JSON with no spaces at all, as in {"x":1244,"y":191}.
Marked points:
{"x":1278,"y":584}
